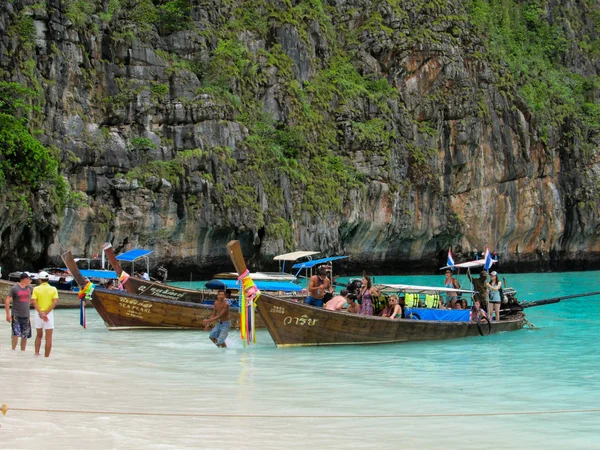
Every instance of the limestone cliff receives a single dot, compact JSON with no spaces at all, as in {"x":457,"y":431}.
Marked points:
{"x":385,"y":130}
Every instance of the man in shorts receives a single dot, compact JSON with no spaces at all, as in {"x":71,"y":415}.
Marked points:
{"x":317,"y":287}
{"x":221,"y":316}
{"x":44,"y":298}
{"x":20,"y":294}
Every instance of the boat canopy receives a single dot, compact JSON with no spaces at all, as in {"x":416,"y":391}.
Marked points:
{"x":420,"y":289}
{"x":294,"y":255}
{"x":262,"y":276}
{"x":133,"y":255}
{"x":261,"y":285}
{"x":102,"y":274}
{"x":469,"y":264}
{"x":316,"y":262}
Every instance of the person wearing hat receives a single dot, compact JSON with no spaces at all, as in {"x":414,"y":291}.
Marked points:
{"x":44,"y":298}
{"x":494,"y":304}
{"x":20,"y":294}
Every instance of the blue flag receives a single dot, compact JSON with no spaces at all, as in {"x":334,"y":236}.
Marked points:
{"x":450,"y":261}
{"x":488,"y":259}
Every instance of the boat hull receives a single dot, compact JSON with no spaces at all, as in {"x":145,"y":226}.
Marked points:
{"x":122,"y":310}
{"x":159,"y":290}
{"x":293,"y":324}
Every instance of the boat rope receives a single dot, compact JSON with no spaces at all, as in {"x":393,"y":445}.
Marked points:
{"x":4,"y":409}
{"x":528,"y":323}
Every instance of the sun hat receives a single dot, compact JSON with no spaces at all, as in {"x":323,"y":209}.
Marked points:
{"x":494,"y":273}
{"x":43,"y":275}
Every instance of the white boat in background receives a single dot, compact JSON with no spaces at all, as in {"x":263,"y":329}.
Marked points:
{"x":280,"y":276}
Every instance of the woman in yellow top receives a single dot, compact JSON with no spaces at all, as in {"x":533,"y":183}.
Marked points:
{"x":44,"y":298}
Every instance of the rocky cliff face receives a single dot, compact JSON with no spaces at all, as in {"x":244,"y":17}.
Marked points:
{"x":379,"y":129}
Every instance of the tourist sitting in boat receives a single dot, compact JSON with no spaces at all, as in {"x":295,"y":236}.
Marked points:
{"x":394,"y":309}
{"x":477,"y":313}
{"x":451,"y":282}
{"x":337,"y":302}
{"x":480,"y":285}
{"x":353,"y":307}
{"x":494,"y":297}
{"x":317,"y":287}
{"x":367,"y":292}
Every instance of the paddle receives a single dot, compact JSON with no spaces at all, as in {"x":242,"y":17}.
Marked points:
{"x":555,"y":299}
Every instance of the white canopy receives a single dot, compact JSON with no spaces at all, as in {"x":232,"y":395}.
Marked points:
{"x":262,"y":276}
{"x":420,"y":289}
{"x":294,"y":255}
{"x":469,"y":264}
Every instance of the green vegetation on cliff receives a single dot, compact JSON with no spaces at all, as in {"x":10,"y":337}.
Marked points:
{"x":26,"y":166}
{"x":533,"y":50}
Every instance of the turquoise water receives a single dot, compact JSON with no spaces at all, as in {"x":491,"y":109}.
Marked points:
{"x":461,"y":394}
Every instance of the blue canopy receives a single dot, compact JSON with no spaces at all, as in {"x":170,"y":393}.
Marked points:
{"x":133,"y":255}
{"x":105,"y":274}
{"x":442,"y":315}
{"x":262,"y":285}
{"x":315,"y":262}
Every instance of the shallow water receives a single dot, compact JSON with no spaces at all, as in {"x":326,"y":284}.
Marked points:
{"x":461,"y":394}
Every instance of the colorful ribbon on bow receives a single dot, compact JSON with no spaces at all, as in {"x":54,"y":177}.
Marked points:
{"x":84,"y":294}
{"x":122,"y":280}
{"x":249,"y":295}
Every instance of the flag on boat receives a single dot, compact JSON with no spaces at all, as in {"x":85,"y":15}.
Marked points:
{"x":488,"y":259}
{"x":450,"y":259}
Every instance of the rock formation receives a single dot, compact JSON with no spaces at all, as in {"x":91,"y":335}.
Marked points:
{"x":385,"y":130}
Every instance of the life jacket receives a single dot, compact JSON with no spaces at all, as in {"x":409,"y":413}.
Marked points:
{"x":411,"y":300}
{"x":432,"y":300}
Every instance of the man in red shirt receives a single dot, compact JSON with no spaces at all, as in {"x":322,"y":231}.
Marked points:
{"x":20,"y":294}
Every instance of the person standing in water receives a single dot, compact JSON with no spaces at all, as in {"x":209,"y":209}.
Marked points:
{"x":20,"y":294}
{"x":44,"y":299}
{"x":221,"y":316}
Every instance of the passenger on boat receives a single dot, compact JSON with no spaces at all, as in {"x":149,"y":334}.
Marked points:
{"x":110,"y":285}
{"x":317,"y":287}
{"x":394,"y":309}
{"x":451,"y":282}
{"x":367,"y":292}
{"x":480,"y":285}
{"x":145,"y":276}
{"x":353,"y":307}
{"x":337,"y":302}
{"x":477,"y":313}
{"x":221,"y":316}
{"x":494,"y":286}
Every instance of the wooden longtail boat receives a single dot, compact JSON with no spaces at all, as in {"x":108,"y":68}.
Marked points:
{"x":294,"y":324}
{"x":123,"y":310}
